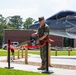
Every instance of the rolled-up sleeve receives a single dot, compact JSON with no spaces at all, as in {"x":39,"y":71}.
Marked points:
{"x":46,"y":32}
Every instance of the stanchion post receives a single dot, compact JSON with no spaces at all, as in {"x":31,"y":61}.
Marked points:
{"x":26,"y":54}
{"x":69,"y":51}
{"x":9,"y":56}
{"x":49,"y":50}
{"x":56,"y":51}
{"x":14,"y":55}
{"x":8,"y":53}
{"x":18,"y":53}
{"x":47,"y":66}
{"x":22,"y":52}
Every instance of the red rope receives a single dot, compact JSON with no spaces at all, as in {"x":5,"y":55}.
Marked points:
{"x":38,"y":46}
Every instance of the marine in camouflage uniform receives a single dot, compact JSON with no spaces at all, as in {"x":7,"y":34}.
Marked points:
{"x":43,"y":33}
{"x":43,"y":30}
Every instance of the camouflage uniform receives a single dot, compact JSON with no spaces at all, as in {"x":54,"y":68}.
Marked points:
{"x":42,"y":31}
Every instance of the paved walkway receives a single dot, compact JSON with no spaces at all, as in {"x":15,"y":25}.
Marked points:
{"x":36,"y":58}
{"x":64,"y":60}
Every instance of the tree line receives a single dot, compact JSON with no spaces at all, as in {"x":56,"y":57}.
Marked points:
{"x":13,"y":22}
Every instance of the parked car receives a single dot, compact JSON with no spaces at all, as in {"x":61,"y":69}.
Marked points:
{"x":4,"y":46}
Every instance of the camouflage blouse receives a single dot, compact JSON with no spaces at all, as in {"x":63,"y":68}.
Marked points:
{"x":44,"y":30}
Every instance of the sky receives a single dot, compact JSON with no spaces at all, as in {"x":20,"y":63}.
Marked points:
{"x":35,"y":8}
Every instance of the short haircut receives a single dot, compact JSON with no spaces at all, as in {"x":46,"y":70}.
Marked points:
{"x":40,"y":19}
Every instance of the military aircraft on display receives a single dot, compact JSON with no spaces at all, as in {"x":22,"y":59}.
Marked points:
{"x":61,"y":24}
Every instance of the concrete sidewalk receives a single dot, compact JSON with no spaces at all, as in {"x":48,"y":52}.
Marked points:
{"x":56,"y":71}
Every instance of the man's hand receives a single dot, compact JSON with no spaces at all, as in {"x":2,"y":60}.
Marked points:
{"x":37,"y":42}
{"x":34,"y":34}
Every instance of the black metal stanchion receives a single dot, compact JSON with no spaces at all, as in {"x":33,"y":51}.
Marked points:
{"x":9,"y":56}
{"x":47,"y":67}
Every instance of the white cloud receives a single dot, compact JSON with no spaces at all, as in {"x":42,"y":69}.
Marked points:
{"x":53,"y":6}
{"x":36,"y":8}
{"x":22,"y":12}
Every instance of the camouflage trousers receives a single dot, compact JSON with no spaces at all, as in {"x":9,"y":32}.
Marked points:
{"x":43,"y":54}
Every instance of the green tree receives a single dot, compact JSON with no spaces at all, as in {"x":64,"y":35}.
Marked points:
{"x":2,"y":27}
{"x":28,"y":22}
{"x":2,"y":24}
{"x":15,"y":22}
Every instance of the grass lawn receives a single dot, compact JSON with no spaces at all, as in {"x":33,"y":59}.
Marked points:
{"x":59,"y":53}
{"x":4,"y":71}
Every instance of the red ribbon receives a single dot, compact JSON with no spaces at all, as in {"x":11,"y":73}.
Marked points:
{"x":38,"y":46}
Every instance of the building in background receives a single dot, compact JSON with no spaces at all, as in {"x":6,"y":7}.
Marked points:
{"x":24,"y":35}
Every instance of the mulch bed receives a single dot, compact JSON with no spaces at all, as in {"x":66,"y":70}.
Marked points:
{"x":38,"y":64}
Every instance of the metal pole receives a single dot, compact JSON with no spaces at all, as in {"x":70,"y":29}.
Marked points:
{"x":8,"y":55}
{"x":47,"y":66}
{"x":47,"y":56}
